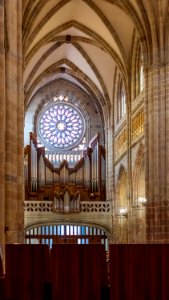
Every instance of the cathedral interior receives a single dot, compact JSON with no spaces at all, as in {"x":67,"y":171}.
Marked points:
{"x":84,"y":110}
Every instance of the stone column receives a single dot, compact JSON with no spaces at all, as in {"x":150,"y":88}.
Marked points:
{"x":157,"y":164}
{"x":109,"y":163}
{"x":2,"y":128}
{"x":110,"y":182}
{"x":166,"y":201}
{"x":14,"y":195}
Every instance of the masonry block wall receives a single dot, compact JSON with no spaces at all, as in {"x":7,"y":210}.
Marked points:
{"x":11,"y":132}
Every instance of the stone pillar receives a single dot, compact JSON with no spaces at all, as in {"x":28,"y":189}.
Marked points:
{"x":14,"y":195}
{"x":2,"y":128}
{"x":157,"y":164}
{"x":166,"y":201}
{"x":109,"y":164}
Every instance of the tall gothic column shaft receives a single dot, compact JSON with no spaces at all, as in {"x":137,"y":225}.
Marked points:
{"x":14,"y":124}
{"x":2,"y":128}
{"x":109,"y":165}
{"x":156,"y":163}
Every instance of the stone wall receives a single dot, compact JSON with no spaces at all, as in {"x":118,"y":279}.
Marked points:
{"x":11,"y":115}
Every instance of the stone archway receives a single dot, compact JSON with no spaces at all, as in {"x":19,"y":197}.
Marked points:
{"x":138,"y":213}
{"x":121,"y":207}
{"x":139,"y":175}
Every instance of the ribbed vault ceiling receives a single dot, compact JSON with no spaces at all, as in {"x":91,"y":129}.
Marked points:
{"x":82,"y":41}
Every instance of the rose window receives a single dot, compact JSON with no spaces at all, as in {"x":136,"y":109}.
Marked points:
{"x":61,"y":125}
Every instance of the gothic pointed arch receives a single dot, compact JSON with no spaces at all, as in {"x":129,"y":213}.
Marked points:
{"x":139,"y":175}
{"x":121,"y":188}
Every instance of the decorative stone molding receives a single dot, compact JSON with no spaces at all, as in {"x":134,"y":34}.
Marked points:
{"x":85,"y":206}
{"x":38,"y":206}
{"x":120,"y":143}
{"x":96,"y":206}
{"x":137,"y":124}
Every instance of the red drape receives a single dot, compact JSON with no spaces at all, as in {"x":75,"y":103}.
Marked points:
{"x":79,"y":272}
{"x":2,"y":279}
{"x":28,"y":271}
{"x":139,"y":272}
{"x":1,"y":264}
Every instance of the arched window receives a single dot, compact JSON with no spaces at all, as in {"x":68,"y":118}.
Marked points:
{"x":66,"y":234}
{"x":139,"y":71}
{"x":121,"y":101}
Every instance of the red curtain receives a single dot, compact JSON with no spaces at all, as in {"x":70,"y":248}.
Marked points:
{"x":79,"y":272}
{"x":165,"y":272}
{"x":93,"y":271}
{"x":28,"y":272}
{"x":71,"y":272}
{"x":139,"y":272}
{"x":65,"y":265}
{"x":1,"y":264}
{"x":2,"y":280}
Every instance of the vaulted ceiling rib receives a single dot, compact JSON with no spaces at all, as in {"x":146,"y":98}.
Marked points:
{"x":90,"y":38}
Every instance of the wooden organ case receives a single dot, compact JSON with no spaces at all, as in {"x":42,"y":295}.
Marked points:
{"x":65,"y":185}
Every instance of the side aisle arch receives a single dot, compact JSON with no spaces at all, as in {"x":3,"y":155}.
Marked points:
{"x":139,"y":175}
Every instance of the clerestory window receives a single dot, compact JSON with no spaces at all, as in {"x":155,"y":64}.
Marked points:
{"x":121,"y":101}
{"x":141,"y":71}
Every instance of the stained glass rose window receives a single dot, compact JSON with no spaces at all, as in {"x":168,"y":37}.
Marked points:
{"x":61,"y":126}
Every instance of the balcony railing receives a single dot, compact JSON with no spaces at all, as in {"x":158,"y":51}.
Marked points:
{"x":95,"y":207}
{"x":85,"y":207}
{"x":38,"y":206}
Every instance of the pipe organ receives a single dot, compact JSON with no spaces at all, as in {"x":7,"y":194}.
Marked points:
{"x":66,"y":184}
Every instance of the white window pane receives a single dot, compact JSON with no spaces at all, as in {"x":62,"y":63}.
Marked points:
{"x":51,"y":243}
{"x":34,"y":241}
{"x":75,"y":230}
{"x":54,"y":229}
{"x":51,"y":230}
{"x":71,"y":230}
{"x":79,"y":230}
{"x":67,"y":229}
{"x":47,"y":230}
{"x":59,"y":231}
{"x":106,"y":245}
{"x":62,"y":230}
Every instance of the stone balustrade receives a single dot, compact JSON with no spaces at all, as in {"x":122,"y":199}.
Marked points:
{"x":96,"y":206}
{"x":38,"y":206}
{"x":85,"y":206}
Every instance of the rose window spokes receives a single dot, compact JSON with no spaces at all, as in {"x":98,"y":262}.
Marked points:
{"x":61,"y":126}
